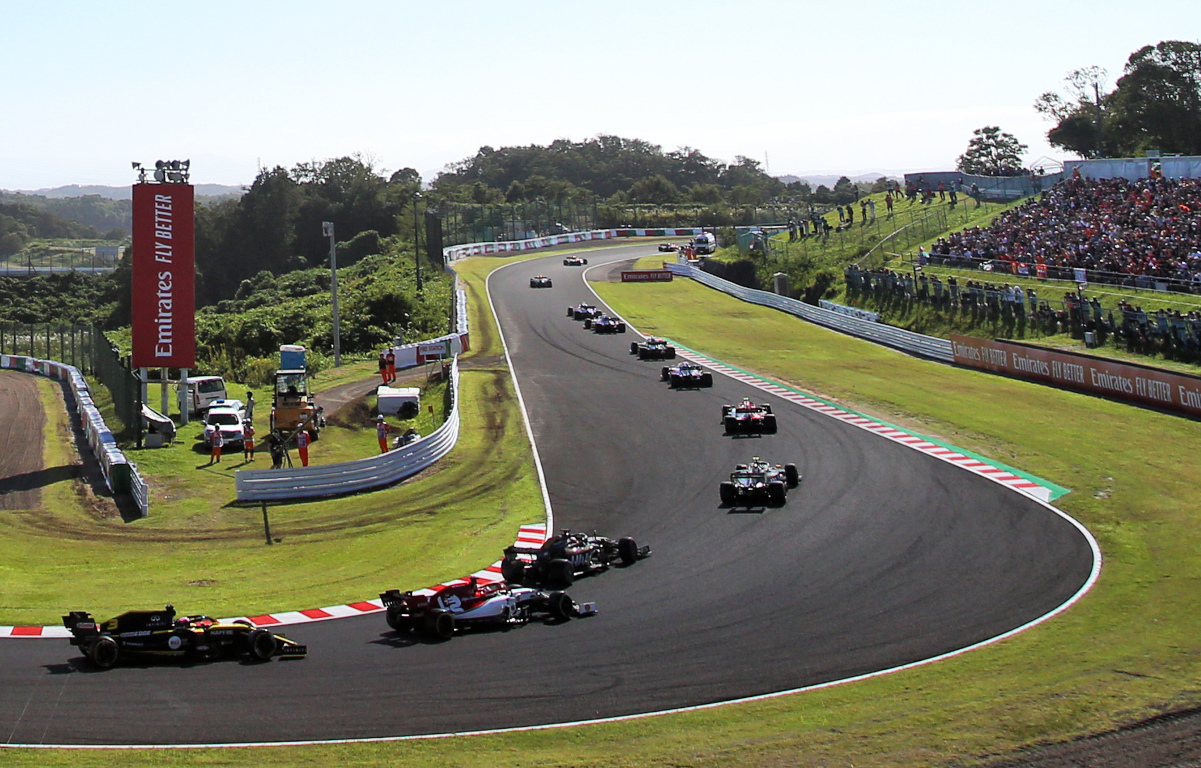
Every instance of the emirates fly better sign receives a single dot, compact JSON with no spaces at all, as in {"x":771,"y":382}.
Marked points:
{"x":164,"y":292}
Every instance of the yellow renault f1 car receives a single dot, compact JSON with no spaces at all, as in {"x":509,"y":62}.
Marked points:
{"x":160,"y":634}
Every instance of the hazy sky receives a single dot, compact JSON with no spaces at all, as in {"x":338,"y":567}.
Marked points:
{"x":842,"y":87}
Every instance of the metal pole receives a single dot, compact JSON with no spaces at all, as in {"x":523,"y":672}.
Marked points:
{"x":416,"y":241}
{"x":328,"y":228}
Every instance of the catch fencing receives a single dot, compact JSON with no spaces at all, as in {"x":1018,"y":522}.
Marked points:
{"x":354,"y":476}
{"x":898,"y":338}
{"x":68,"y":344}
{"x":453,"y":253}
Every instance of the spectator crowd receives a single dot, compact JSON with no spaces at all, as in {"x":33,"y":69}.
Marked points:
{"x":1134,"y":233}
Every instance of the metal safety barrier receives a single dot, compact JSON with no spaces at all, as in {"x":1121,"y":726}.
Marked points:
{"x":898,"y":338}
{"x":360,"y":474}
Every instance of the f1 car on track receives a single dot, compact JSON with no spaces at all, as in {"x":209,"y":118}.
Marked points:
{"x":605,"y":324}
{"x":653,"y":349}
{"x":473,"y":603}
{"x":583,"y":312}
{"x":574,"y":261}
{"x":159,"y":634}
{"x":759,"y":482}
{"x":687,"y":375}
{"x":562,"y":558}
{"x":748,"y":417}
{"x":540,"y":281}
{"x":668,"y":247}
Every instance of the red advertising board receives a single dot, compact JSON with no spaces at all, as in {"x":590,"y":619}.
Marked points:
{"x":164,"y":285}
{"x":646,"y":276}
{"x":1124,"y":381}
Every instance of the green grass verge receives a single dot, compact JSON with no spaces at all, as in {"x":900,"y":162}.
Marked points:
{"x":1128,"y":650}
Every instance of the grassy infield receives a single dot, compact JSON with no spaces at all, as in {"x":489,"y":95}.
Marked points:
{"x":1128,"y":650}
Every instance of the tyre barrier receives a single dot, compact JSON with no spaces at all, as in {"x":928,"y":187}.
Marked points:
{"x":120,"y":474}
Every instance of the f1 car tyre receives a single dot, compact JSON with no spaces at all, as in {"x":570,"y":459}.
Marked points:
{"x":776,"y":493}
{"x":706,"y":379}
{"x":671,"y":351}
{"x":396,"y":618}
{"x":769,"y":424}
{"x":627,"y":548}
{"x":731,"y":424}
{"x":512,"y":571}
{"x":621,"y":327}
{"x":665,"y":375}
{"x":570,"y":312}
{"x":440,"y":625}
{"x":792,"y":475}
{"x":587,"y":322}
{"x":104,"y":652}
{"x":728,"y":494}
{"x":560,"y":605}
{"x":634,"y":349}
{"x":560,"y":572}
{"x":262,"y":644}
{"x":585,"y":261}
{"x":675,"y":382}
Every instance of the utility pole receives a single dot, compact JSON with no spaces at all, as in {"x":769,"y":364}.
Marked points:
{"x":327,"y":229}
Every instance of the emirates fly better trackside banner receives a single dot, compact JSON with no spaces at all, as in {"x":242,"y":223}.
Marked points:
{"x":1124,"y":381}
{"x":164,"y":293}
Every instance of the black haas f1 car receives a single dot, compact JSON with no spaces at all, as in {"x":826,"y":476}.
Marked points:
{"x":605,"y":324}
{"x":583,"y":312}
{"x":448,"y":609}
{"x":687,"y":376}
{"x":574,"y":261}
{"x":564,"y":557}
{"x":540,"y":281}
{"x":748,"y":418}
{"x":159,"y":634}
{"x":759,"y":482}
{"x":653,"y":349}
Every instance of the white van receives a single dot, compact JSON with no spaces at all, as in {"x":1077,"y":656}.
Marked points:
{"x":202,"y":391}
{"x":704,"y":243}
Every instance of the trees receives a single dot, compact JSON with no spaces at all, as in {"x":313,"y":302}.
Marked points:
{"x":1156,"y":104}
{"x":992,"y":152}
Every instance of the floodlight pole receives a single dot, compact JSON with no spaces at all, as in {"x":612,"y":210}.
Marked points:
{"x":327,"y":229}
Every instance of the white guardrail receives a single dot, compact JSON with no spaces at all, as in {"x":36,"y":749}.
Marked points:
{"x":898,"y":338}
{"x":120,"y":474}
{"x":360,"y":474}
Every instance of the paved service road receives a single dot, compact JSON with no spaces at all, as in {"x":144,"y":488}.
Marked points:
{"x":882,"y":556}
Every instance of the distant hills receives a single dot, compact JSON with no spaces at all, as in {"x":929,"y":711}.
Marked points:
{"x":830,"y":179}
{"x":124,"y":193}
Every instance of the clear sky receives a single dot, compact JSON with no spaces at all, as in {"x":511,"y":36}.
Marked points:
{"x":807,"y":87}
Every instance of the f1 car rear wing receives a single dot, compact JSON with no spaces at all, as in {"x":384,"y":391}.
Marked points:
{"x":81,"y":625}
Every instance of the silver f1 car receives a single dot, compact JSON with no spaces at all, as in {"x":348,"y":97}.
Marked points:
{"x":540,"y":281}
{"x":759,"y":482}
{"x":583,"y":312}
{"x":574,"y":261}
{"x":474,"y":603}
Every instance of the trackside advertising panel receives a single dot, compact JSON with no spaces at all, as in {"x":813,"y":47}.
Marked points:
{"x":646,"y":276}
{"x":164,"y":297}
{"x":1136,"y":383}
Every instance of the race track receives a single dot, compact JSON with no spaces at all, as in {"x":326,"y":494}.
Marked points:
{"x":883,"y":556}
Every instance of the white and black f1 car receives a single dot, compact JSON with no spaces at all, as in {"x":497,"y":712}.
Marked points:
{"x":759,"y":482}
{"x":605,"y":324}
{"x":440,"y":612}
{"x":583,"y":312}
{"x":653,"y":349}
{"x":574,"y":261}
{"x":562,"y":558}
{"x":540,"y":281}
{"x":687,"y":375}
{"x":748,"y":418}
{"x":147,"y":634}
{"x":668,"y":247}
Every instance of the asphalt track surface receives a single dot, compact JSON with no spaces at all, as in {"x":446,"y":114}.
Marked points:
{"x":882,"y":557}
